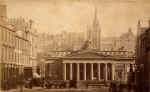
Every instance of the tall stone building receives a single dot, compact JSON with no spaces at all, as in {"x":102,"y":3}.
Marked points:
{"x":3,"y":11}
{"x":22,"y":43}
{"x":94,"y":33}
{"x":143,"y":58}
{"x":15,"y":50}
{"x":33,"y":37}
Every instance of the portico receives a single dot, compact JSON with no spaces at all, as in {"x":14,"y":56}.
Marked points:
{"x":88,"y":70}
{"x":86,"y":66}
{"x":92,"y":66}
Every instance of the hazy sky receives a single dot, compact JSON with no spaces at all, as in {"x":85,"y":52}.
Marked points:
{"x":115,"y":16}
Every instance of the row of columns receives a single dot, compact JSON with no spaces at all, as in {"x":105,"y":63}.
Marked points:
{"x":85,"y":71}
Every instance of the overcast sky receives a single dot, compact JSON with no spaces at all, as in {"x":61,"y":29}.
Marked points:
{"x":53,"y":16}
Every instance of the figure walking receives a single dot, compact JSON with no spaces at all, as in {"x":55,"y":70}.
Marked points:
{"x":21,"y":82}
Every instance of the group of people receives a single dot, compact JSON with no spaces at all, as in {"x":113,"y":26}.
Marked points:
{"x":29,"y":83}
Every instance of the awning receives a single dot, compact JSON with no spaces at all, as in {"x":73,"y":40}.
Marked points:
{"x":36,"y":75}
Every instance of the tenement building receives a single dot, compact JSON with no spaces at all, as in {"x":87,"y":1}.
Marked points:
{"x":15,"y":52}
{"x":7,"y":53}
{"x":143,"y":58}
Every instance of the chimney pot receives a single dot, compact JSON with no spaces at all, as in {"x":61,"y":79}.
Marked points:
{"x":149,"y":22}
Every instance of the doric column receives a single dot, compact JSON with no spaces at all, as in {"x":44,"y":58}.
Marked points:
{"x":70,"y":71}
{"x":84,"y":71}
{"x":106,"y":72}
{"x":64,"y":71}
{"x":113,"y":71}
{"x":91,"y":71}
{"x":78,"y":71}
{"x":99,"y":72}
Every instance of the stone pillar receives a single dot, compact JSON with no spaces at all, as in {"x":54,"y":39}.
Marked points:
{"x":106,"y":77}
{"x":84,"y":71}
{"x":70,"y":71}
{"x":78,"y":71}
{"x":91,"y":71}
{"x":64,"y":71}
{"x":126,"y":72}
{"x":113,"y":71}
{"x":99,"y":72}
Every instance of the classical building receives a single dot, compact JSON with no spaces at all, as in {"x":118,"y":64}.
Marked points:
{"x":88,"y":65}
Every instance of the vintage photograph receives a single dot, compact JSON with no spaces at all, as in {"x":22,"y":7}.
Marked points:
{"x":74,"y":46}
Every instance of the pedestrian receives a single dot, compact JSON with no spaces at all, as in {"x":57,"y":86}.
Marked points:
{"x":21,"y":82}
{"x":31,"y":83}
{"x":43,"y":83}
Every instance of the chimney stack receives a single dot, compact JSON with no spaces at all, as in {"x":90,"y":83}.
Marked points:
{"x":149,"y":23}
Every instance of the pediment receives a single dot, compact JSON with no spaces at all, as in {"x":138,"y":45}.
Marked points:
{"x":86,"y":54}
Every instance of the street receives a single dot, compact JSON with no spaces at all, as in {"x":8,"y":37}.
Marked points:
{"x":60,"y":90}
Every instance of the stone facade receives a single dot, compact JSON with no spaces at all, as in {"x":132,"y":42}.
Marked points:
{"x":142,"y":61}
{"x":91,"y":66}
{"x":15,"y":44}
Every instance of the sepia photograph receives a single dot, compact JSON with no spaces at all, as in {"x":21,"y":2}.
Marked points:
{"x":74,"y":46}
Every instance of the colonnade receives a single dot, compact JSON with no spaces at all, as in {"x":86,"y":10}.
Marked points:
{"x":89,"y":71}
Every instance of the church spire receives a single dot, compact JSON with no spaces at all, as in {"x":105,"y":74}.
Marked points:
{"x":139,"y":23}
{"x":138,"y":27}
{"x":95,"y":21}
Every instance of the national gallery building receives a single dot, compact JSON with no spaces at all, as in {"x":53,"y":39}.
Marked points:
{"x":89,"y":65}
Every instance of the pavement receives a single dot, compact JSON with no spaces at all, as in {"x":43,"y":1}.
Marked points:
{"x":24,"y":89}
{"x":40,"y":89}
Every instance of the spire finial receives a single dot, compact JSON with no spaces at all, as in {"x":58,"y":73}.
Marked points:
{"x":139,"y":23}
